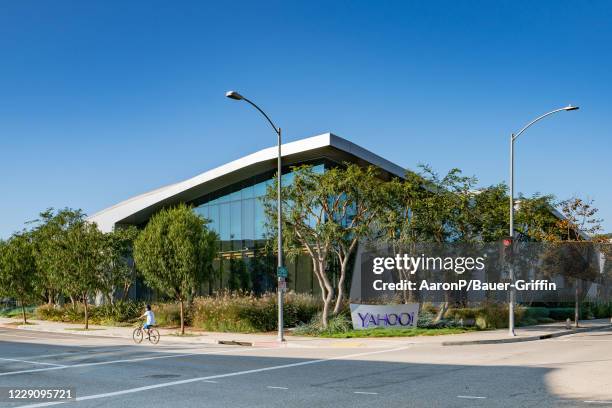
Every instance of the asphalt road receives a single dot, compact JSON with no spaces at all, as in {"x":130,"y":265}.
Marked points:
{"x":565,"y":372}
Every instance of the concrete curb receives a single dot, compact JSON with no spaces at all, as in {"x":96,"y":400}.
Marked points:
{"x":527,"y":338}
{"x":192,"y":340}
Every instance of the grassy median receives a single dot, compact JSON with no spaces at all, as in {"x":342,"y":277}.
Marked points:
{"x":381,"y":332}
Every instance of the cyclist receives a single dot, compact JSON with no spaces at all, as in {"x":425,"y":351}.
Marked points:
{"x":150,"y":320}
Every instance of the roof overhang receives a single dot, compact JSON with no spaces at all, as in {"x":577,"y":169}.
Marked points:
{"x":139,"y":209}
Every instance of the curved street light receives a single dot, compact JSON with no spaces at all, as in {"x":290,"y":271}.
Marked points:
{"x":281,"y":279}
{"x":513,"y":138}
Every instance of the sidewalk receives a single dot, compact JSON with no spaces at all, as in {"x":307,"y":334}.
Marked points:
{"x":169,"y":336}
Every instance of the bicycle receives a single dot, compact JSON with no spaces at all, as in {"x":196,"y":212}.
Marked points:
{"x":139,"y":334}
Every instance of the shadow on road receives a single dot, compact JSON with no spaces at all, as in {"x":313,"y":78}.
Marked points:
{"x":360,"y":379}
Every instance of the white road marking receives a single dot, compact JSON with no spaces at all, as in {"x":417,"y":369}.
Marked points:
{"x":211,"y":381}
{"x":31,"y":362}
{"x":210,"y":377}
{"x":365,"y":393}
{"x":20,"y":336}
{"x":92,"y":352}
{"x":130,"y":360}
{"x":470,"y":397}
{"x":597,"y":402}
{"x":276,"y":388}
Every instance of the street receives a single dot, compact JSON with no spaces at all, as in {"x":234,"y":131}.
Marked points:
{"x":107,"y":372}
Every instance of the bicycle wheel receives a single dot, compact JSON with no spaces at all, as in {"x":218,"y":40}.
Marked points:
{"x":138,"y":335}
{"x":154,"y":336}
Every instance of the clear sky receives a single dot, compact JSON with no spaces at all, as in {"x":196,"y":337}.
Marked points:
{"x":102,"y":100}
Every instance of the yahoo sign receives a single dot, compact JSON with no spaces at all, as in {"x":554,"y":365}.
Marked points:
{"x":387,"y":316}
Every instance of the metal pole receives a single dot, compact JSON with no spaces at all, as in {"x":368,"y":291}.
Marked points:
{"x":281,"y":280}
{"x":511,"y":267}
{"x":513,"y":138}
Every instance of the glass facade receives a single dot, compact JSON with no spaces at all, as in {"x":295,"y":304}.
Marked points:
{"x":237,"y":214}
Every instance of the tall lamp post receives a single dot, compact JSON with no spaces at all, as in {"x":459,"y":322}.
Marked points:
{"x":281,"y":272}
{"x":513,"y":138}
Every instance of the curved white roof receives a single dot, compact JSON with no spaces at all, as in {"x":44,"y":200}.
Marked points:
{"x":138,"y":209}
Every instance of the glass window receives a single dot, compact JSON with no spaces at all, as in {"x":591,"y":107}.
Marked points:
{"x":260,"y":189}
{"x":287,"y":178}
{"x":248,"y":219}
{"x":236,"y":221}
{"x":239,"y":216}
{"x":204,"y":211}
{"x":213,"y":215}
{"x":224,"y":221}
{"x":248,"y":192}
{"x":223,"y":199}
{"x":260,"y":219}
{"x":234,"y":196}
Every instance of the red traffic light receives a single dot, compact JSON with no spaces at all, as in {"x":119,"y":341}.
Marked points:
{"x":507,"y":242}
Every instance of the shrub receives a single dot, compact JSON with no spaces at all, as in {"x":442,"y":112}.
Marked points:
{"x":103,"y":314}
{"x":462,"y":313}
{"x":336,"y":324}
{"x":16,"y":311}
{"x":245,"y":312}
{"x":537,"y":313}
{"x":49,"y":312}
{"x":169,"y":314}
{"x":561,"y":313}
{"x":601,"y":310}
{"x":115,"y":313}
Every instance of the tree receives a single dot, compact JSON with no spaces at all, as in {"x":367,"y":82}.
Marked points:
{"x":578,"y":224}
{"x":49,"y":238}
{"x":579,"y":219}
{"x":71,"y":255}
{"x":326,"y":214}
{"x":173,"y":253}
{"x":118,"y":271}
{"x":83,"y":251}
{"x":535,"y":220}
{"x":18,"y":269}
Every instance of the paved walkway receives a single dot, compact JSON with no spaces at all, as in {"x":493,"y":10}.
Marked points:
{"x":269,"y":339}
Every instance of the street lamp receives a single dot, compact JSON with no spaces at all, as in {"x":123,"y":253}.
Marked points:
{"x":281,"y":272}
{"x":513,"y":138}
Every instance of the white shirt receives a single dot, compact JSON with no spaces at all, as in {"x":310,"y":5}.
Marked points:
{"x":150,"y":317}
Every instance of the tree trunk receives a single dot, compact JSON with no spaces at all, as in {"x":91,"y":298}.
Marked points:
{"x":325,"y":314}
{"x":340,"y":297}
{"x":86,"y":311}
{"x":576,"y":304}
{"x":445,"y":305}
{"x":442,"y":312}
{"x":182,"y":317}
{"x":23,"y":312}
{"x":326,"y":291}
{"x":126,"y":291}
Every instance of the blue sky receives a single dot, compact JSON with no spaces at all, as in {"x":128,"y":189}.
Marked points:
{"x":103,"y":100}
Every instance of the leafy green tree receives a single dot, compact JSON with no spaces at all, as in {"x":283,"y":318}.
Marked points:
{"x":71,"y":255}
{"x":49,"y":236}
{"x":535,"y":219}
{"x":490,"y":213}
{"x":118,"y":271}
{"x":18,"y":269}
{"x":325,"y":215}
{"x":173,"y":253}
{"x":83,"y":251}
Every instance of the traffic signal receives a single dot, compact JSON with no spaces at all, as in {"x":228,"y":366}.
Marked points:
{"x":508,"y":249}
